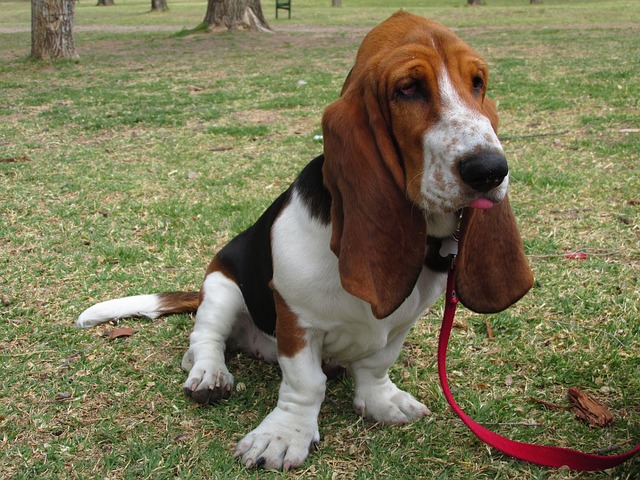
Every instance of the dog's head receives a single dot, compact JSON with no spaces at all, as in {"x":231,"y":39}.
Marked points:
{"x":412,"y":138}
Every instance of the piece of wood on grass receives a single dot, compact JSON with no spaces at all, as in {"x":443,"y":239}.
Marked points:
{"x":588,"y":409}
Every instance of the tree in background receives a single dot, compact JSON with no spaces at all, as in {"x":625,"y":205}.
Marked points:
{"x":159,"y":6}
{"x":52,"y":29}
{"x":235,"y":15}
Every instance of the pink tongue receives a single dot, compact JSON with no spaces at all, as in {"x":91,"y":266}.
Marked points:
{"x":481,"y":203}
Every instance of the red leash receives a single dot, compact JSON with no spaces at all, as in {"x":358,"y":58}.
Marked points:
{"x":542,"y":455}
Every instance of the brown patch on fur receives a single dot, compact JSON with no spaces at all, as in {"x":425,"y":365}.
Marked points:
{"x":178,"y":302}
{"x":216,"y":266}
{"x":289,"y":333}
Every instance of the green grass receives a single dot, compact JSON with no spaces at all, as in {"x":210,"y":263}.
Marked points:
{"x":119,"y":177}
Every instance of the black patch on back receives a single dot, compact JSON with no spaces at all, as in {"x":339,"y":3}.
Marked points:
{"x":248,"y":259}
{"x":309,"y":185}
{"x":248,"y":256}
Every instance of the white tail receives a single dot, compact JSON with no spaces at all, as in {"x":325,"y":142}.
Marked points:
{"x":151,"y":306}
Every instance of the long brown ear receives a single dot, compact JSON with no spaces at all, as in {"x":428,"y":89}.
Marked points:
{"x":377,"y":234}
{"x":492,"y":272}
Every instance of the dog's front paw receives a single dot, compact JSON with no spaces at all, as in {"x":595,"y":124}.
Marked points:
{"x":390,"y":405}
{"x":281,"y":441}
{"x":208,"y":383}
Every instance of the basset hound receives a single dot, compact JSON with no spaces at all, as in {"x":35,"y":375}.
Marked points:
{"x":345,"y":261}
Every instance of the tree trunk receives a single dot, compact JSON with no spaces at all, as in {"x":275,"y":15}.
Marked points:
{"x":235,"y":15}
{"x":105,"y":3}
{"x":159,"y":6}
{"x":52,"y":29}
{"x":475,"y":2}
{"x":336,"y":3}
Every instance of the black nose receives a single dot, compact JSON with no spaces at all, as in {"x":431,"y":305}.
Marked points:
{"x":484,"y":170}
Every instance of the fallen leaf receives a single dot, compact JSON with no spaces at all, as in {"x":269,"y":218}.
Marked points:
{"x":588,"y":409}
{"x":461,"y":324}
{"x":119,"y":332}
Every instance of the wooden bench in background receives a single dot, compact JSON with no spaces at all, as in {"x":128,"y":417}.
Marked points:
{"x":283,"y":5}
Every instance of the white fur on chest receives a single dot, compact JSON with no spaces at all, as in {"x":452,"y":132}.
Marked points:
{"x":305,"y":273}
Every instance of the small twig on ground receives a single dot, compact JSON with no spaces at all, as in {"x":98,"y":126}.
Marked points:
{"x":26,"y":354}
{"x":564,"y":255}
{"x":24,"y":158}
{"x":611,"y":448}
{"x":548,"y":404}
{"x":489,"y":329}
{"x":515,"y":424}
{"x":575,"y":325}
{"x":533,"y":135}
{"x":506,"y":424}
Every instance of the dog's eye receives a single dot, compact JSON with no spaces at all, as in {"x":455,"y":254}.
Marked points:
{"x":408,"y":90}
{"x":478,"y":85}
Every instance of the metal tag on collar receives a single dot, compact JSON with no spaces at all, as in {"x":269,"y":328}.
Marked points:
{"x":449,"y":247}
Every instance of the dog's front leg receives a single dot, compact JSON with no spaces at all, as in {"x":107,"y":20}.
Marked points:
{"x":221,"y":306}
{"x":287,"y":434}
{"x":376,"y":396}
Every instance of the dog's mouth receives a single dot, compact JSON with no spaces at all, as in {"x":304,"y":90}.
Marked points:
{"x":486,"y":200}
{"x":482,"y":203}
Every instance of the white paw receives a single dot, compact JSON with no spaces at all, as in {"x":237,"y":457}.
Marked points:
{"x":282,"y":441}
{"x":390,"y":405}
{"x":208,"y":383}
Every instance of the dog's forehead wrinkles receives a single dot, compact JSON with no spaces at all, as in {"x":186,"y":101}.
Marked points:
{"x":427,"y":39}
{"x":451,"y":99}
{"x":466,"y":124}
